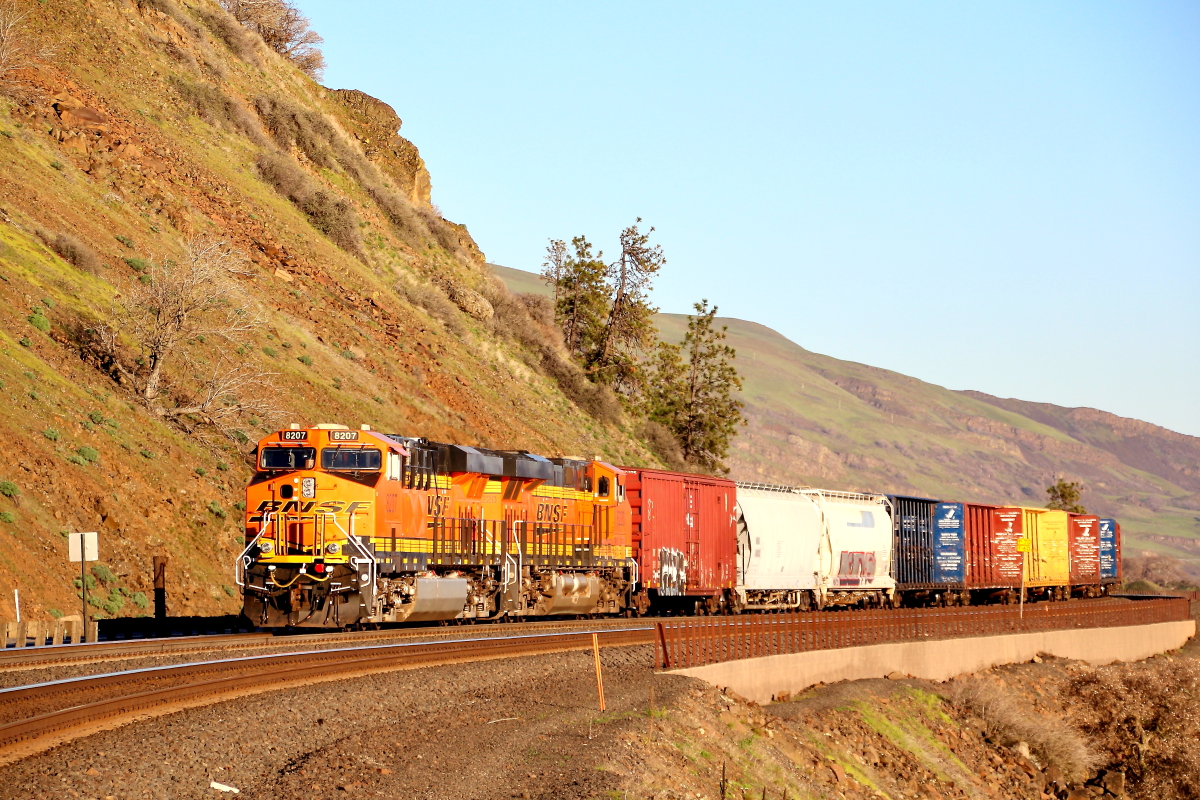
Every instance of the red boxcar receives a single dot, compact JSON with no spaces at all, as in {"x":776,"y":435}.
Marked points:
{"x":684,"y":536}
{"x":1083,"y":547}
{"x":993,"y":561}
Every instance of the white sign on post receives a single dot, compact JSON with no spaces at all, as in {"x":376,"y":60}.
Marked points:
{"x":83,"y":547}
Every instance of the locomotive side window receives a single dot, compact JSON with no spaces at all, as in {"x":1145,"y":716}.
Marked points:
{"x":287,"y":458}
{"x":602,"y":486}
{"x":620,"y":492}
{"x":338,"y":458}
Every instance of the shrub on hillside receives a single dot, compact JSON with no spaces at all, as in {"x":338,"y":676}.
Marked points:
{"x":1146,"y":719}
{"x":434,"y":302}
{"x":528,"y":320}
{"x":73,"y":251}
{"x":328,"y":213}
{"x":1009,"y":720}
{"x":664,"y":445}
{"x":219,"y":109}
{"x":230,"y":32}
{"x":283,"y":29}
{"x":19,"y":48}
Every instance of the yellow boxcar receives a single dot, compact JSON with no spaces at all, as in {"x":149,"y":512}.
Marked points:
{"x":1048,"y":562}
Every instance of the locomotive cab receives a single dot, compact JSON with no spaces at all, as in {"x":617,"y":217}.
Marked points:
{"x":309,"y":516}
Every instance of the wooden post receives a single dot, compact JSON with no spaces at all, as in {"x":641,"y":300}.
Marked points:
{"x":58,"y":632}
{"x":160,"y":588}
{"x":599,"y":675}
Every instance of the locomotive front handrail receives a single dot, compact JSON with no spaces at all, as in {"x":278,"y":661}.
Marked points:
{"x":243,"y":561}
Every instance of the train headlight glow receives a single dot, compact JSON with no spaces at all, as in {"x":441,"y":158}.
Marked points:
{"x":308,"y":487}
{"x":332,"y":548}
{"x":266,"y":547}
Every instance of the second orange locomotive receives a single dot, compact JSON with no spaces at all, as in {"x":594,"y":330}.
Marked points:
{"x":351,"y":526}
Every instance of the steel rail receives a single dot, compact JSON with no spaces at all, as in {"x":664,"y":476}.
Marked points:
{"x":268,"y":672}
{"x":91,"y":652}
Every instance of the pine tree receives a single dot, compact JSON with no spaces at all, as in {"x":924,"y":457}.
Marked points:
{"x":692,"y":388}
{"x":555,"y":265}
{"x":629,"y":329}
{"x":580,"y":294}
{"x":1065,"y":495}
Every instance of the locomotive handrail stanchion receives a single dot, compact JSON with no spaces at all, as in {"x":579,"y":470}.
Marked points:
{"x":240,"y":573}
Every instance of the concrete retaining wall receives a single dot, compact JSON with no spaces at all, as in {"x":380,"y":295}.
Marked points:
{"x":761,"y":679}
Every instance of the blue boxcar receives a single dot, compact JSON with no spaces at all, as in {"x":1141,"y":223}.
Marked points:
{"x":949,"y":543}
{"x":1110,"y":551}
{"x":923,"y":556}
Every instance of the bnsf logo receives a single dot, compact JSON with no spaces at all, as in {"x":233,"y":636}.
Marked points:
{"x":329,"y":507}
{"x":551,"y":512}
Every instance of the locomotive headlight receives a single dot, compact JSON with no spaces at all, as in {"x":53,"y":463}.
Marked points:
{"x":333,"y":548}
{"x":308,"y":487}
{"x":266,"y":547}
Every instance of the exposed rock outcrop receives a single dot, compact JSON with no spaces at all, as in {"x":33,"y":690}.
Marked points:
{"x":376,"y":126}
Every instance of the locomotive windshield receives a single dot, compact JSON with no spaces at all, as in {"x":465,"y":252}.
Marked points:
{"x":287,"y":458}
{"x":338,"y":458}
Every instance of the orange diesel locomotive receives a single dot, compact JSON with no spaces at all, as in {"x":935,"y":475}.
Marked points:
{"x":345,"y":527}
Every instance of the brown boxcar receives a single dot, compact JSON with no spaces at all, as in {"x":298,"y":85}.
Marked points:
{"x":684,"y":537}
{"x":993,"y":561}
{"x":1083,"y":543}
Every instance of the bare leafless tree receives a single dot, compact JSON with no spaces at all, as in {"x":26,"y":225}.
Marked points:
{"x":284,"y":29}
{"x":170,"y":308}
{"x":19,"y":48}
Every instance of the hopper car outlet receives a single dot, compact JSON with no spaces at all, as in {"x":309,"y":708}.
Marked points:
{"x":347,"y":527}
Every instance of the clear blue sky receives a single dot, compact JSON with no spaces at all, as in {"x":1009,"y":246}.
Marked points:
{"x":992,"y":196}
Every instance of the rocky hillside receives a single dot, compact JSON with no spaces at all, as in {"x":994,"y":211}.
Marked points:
{"x":821,"y":421}
{"x":158,"y":123}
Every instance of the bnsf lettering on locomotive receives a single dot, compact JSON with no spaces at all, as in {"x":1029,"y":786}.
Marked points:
{"x":551,"y":512}
{"x":295,"y":506}
{"x":437,"y":504}
{"x":332,"y":507}
{"x":268,"y":506}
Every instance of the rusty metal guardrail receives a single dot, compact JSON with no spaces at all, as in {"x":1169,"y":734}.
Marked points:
{"x":693,"y":642}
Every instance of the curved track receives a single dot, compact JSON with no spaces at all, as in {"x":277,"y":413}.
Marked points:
{"x":50,"y":713}
{"x":228,"y":644}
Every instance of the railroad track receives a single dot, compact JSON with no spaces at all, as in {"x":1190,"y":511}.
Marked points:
{"x":14,"y":659}
{"x":43,"y":715}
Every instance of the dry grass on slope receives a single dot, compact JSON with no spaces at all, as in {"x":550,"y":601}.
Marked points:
{"x":1010,"y":720}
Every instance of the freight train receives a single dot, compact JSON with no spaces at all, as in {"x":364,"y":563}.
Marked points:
{"x":352,"y":527}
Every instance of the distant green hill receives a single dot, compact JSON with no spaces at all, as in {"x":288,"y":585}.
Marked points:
{"x":821,"y":421}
